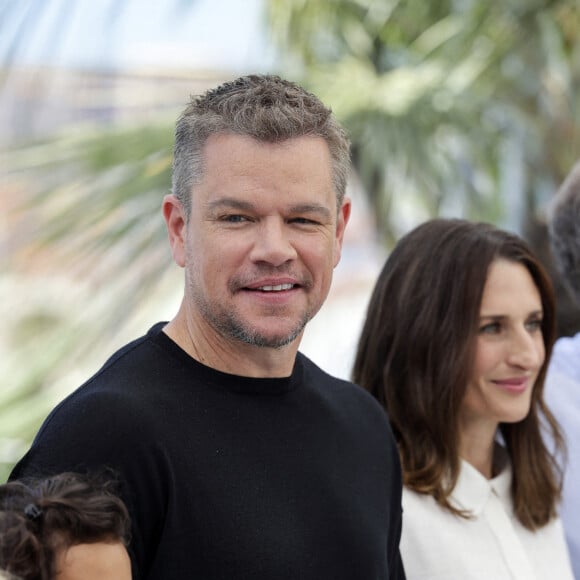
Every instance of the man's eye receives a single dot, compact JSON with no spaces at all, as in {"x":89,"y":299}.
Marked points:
{"x":234,"y":218}
{"x":302,"y":220}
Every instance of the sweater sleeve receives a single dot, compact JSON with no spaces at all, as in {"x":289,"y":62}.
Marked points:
{"x":395,"y":562}
{"x":396,"y":570}
{"x":100,"y":430}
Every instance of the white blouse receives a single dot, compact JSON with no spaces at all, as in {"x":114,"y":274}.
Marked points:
{"x":492,"y":545}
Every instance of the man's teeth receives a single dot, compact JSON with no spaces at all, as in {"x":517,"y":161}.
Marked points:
{"x":276,"y":288}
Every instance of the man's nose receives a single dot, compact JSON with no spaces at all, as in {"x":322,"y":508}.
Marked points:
{"x":273,"y":243}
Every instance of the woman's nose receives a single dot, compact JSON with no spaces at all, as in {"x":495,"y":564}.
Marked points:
{"x":527,"y":349}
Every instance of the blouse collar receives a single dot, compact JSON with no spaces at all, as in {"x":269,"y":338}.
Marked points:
{"x":473,"y":489}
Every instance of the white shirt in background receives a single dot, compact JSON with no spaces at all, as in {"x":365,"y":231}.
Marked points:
{"x":562,"y":393}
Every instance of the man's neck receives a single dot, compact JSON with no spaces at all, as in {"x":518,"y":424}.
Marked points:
{"x":229,"y":355}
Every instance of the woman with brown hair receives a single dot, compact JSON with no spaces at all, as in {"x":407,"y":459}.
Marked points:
{"x":455,"y":346}
{"x":66,"y":527}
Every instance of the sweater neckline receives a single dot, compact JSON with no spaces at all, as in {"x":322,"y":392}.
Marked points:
{"x":226,"y":381}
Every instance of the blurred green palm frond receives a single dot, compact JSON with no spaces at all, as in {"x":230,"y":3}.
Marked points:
{"x":86,"y":254}
{"x":454,"y":108}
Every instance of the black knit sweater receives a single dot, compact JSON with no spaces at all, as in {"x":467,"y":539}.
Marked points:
{"x":230,"y":477}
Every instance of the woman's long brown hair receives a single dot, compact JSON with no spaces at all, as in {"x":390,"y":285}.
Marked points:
{"x":416,"y":354}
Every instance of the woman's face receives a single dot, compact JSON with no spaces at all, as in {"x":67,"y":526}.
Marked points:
{"x":97,"y":561}
{"x":509,"y":349}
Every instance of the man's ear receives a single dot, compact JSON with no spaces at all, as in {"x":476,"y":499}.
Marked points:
{"x":176,"y":222}
{"x":343,"y":215}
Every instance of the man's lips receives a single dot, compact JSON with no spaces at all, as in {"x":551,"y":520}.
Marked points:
{"x":275,"y":285}
{"x":274,"y":288}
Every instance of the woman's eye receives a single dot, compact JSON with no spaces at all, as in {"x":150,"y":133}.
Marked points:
{"x":534,"y":325}
{"x":491,"y":328}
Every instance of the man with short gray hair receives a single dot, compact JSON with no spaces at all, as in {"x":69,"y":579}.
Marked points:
{"x":562,"y":388}
{"x":240,"y":458}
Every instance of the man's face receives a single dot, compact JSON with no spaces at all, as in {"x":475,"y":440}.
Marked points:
{"x":262,"y":240}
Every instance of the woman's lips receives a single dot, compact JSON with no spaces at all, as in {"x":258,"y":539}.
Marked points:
{"x":513,"y":385}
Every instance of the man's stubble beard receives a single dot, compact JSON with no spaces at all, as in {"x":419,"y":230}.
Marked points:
{"x":227,"y":324}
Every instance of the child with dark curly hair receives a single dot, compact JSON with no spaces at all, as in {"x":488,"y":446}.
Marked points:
{"x":66,"y":527}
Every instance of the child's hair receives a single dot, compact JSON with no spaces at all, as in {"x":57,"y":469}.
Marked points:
{"x":40,"y":517}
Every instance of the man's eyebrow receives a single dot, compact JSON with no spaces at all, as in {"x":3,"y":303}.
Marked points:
{"x":231,"y":203}
{"x":305,"y":208}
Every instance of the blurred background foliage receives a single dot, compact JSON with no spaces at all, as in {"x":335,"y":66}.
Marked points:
{"x":444,"y":98}
{"x":464,"y":108}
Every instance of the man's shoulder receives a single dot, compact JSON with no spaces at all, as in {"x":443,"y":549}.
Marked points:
{"x":112,"y":414}
{"x":140,"y":351}
{"x":321,"y":379}
{"x":342,"y":393}
{"x":133,"y":368}
{"x":121,"y":382}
